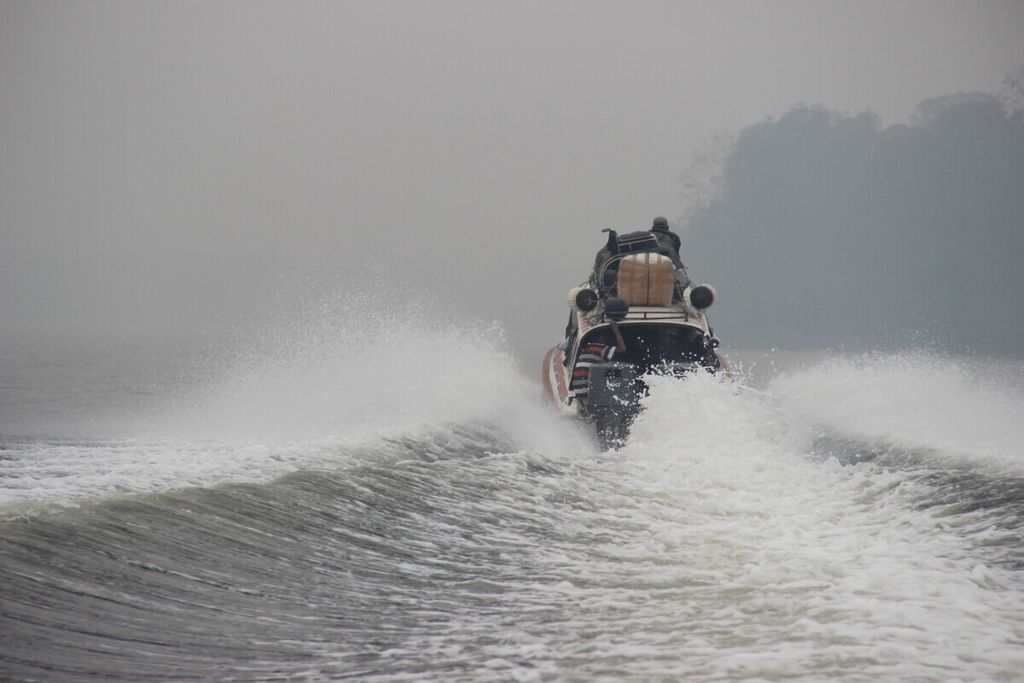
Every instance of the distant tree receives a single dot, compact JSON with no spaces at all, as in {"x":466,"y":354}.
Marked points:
{"x":702,"y":181}
{"x":929,"y":109}
{"x":828,"y":230}
{"x":1012,"y":94}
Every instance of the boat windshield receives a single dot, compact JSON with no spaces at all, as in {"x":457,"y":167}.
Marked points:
{"x":648,"y":346}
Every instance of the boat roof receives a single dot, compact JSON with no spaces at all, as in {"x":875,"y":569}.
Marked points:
{"x":677,"y":313}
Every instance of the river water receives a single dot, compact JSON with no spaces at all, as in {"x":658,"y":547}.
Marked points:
{"x":330,"y":507}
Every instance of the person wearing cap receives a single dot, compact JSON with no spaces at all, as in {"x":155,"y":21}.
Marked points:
{"x":667,"y":239}
{"x":602,"y":346}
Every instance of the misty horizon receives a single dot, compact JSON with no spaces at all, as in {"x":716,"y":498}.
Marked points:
{"x":192,"y":167}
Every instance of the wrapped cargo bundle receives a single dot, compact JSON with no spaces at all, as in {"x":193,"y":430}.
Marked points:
{"x":646,"y":279}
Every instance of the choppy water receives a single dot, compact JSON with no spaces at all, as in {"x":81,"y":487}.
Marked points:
{"x":330,"y":514}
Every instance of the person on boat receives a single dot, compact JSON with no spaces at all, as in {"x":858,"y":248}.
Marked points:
{"x":689,"y":344}
{"x":602,"y":346}
{"x":683,"y":343}
{"x":668,"y":241}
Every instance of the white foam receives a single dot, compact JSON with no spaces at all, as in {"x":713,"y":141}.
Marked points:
{"x":708,"y":547}
{"x":771,"y":564}
{"x":358,"y":368}
{"x":349,"y":372}
{"x":970,"y":409}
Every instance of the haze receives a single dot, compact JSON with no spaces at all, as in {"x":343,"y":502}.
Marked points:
{"x":173,"y":165}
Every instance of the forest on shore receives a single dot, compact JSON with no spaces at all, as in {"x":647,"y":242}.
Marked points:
{"x":827,"y":229}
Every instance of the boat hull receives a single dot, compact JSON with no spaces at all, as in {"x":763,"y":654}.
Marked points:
{"x":555,"y":378}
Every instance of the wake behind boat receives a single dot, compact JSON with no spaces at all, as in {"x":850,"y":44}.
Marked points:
{"x":637,"y":314}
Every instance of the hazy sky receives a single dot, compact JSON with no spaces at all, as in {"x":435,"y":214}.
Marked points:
{"x":173,"y":162}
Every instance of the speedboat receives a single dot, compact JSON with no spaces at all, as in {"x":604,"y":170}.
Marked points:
{"x":637,"y":314}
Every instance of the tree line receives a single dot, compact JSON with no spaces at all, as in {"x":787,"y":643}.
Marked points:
{"x":828,"y":230}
